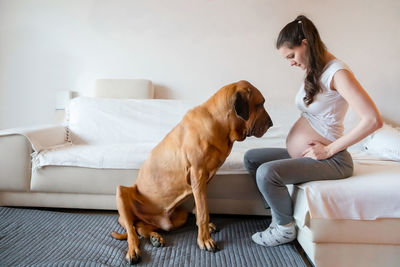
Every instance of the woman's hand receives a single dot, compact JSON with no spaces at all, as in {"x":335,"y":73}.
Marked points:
{"x":317,"y":151}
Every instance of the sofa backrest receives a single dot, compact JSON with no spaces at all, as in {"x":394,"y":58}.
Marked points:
{"x":108,"y":121}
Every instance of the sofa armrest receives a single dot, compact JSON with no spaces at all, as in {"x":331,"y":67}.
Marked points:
{"x":15,"y":163}
{"x":41,"y":137}
{"x":16,"y":147}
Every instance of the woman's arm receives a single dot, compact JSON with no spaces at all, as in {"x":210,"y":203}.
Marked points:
{"x":370,"y":120}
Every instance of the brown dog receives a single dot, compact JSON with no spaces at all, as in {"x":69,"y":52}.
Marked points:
{"x":184,"y":162}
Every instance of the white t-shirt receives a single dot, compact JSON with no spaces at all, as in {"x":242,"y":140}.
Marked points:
{"x":326,"y":113}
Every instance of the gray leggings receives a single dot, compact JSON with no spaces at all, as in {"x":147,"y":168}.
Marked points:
{"x":273,"y":169}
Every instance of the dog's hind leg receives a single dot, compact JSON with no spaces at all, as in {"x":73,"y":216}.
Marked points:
{"x":148,"y":231}
{"x":125,"y":200}
{"x":178,"y":217}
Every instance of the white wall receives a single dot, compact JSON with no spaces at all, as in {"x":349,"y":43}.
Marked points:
{"x":189,"y":49}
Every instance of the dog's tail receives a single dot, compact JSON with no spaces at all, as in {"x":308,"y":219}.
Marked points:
{"x":119,"y":236}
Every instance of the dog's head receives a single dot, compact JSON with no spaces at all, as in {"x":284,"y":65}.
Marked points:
{"x":248,"y":104}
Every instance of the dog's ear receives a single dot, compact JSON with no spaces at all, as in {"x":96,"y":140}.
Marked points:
{"x":241,"y":104}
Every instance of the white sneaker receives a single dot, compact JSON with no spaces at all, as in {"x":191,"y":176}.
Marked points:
{"x":275,"y":235}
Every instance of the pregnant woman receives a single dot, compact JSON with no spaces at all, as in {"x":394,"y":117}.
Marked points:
{"x":315,"y":146}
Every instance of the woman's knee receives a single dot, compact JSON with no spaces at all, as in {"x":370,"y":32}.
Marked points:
{"x":346,"y":164}
{"x":266,"y":174}
{"x":249,"y":161}
{"x":349,"y":170}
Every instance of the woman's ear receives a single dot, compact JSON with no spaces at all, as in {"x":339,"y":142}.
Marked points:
{"x":304,"y":42}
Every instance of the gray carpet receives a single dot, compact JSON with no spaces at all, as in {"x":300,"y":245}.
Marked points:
{"x":30,"y":237}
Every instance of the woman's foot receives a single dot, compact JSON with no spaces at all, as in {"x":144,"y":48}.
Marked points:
{"x":275,"y":235}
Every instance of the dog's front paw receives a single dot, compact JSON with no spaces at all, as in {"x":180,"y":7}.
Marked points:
{"x":213,"y":228}
{"x":133,"y":256}
{"x":208,"y":244}
{"x":156,"y":240}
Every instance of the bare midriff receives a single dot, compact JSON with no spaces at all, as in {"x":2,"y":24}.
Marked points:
{"x":300,"y":135}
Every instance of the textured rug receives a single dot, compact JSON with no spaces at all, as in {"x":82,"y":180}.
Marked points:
{"x":30,"y":237}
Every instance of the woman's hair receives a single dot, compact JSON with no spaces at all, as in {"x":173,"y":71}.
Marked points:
{"x":291,"y":36}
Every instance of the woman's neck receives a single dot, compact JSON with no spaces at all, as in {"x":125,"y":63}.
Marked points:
{"x":328,"y":57}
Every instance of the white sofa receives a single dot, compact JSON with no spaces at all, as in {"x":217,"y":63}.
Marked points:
{"x":351,"y":222}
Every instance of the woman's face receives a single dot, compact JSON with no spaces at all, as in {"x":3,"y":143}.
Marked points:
{"x":295,"y":55}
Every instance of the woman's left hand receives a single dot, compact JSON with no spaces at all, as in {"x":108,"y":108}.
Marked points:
{"x":317,"y":151}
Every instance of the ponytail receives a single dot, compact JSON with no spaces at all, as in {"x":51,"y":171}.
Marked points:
{"x":291,"y":36}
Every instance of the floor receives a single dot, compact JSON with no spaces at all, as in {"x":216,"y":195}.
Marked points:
{"x":304,"y":256}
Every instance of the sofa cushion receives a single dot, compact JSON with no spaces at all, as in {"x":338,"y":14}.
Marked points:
{"x":325,"y":230}
{"x":382,"y":231}
{"x":370,"y":194}
{"x":61,"y":179}
{"x":384,"y":143}
{"x":76,"y":187}
{"x":132,"y":155}
{"x":109,"y":121}
{"x":76,"y":180}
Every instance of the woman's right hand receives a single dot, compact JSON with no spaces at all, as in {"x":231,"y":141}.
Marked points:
{"x":317,"y":151}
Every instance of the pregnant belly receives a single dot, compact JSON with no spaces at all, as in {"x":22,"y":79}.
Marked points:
{"x":300,"y":135}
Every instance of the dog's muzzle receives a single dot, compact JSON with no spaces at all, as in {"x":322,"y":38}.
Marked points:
{"x":261,"y":125}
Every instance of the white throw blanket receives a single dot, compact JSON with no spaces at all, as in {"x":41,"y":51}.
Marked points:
{"x":119,"y":134}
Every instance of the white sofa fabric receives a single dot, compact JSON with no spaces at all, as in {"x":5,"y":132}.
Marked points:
{"x":119,"y":134}
{"x":80,"y":164}
{"x":102,"y":145}
{"x":371,"y":193}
